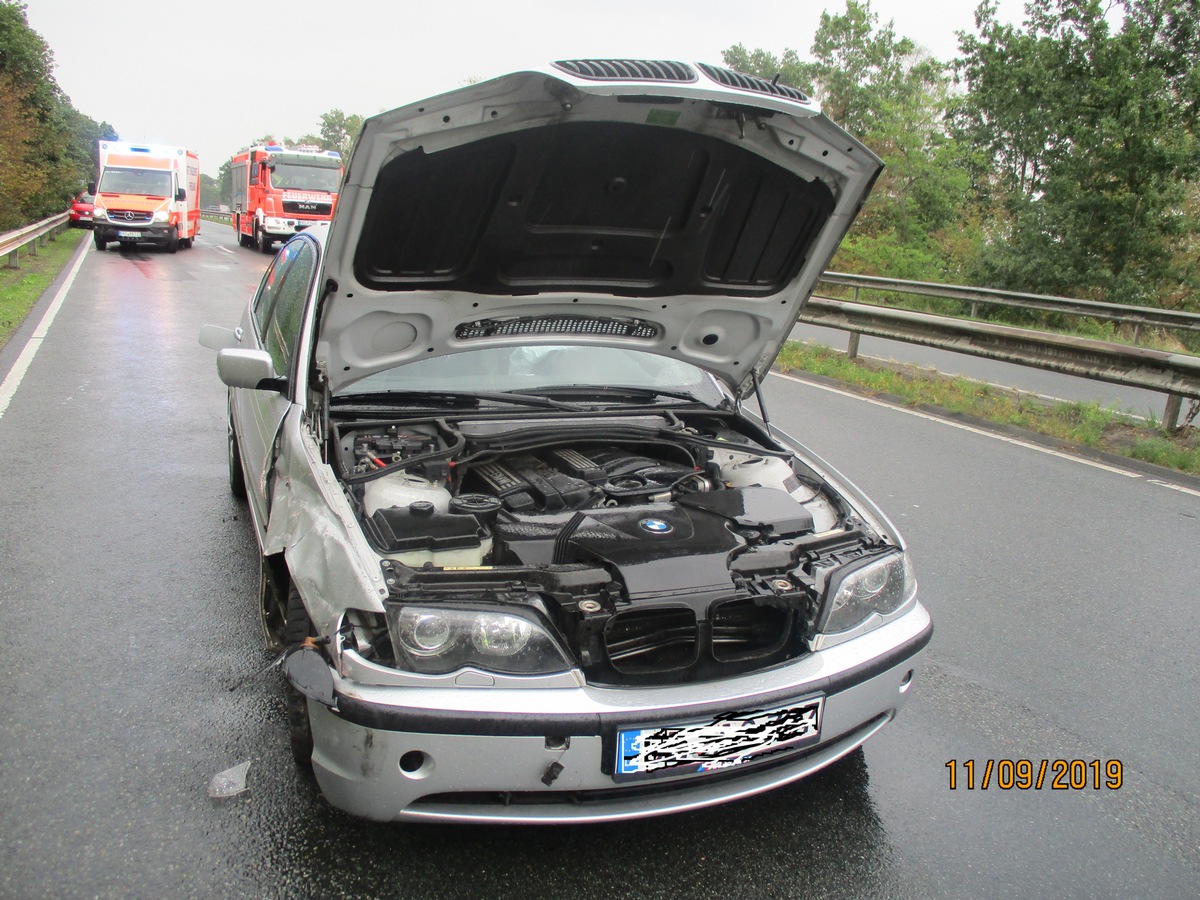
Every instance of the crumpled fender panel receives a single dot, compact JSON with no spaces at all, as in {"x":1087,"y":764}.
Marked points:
{"x":313,"y":526}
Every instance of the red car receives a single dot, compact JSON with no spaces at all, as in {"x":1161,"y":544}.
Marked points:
{"x":81,"y":210}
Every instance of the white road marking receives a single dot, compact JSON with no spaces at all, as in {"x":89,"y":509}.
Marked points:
{"x":13,"y":380}
{"x":222,"y":249}
{"x":1175,"y":487}
{"x":964,"y":427}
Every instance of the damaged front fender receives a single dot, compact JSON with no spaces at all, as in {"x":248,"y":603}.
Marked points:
{"x":311,"y":523}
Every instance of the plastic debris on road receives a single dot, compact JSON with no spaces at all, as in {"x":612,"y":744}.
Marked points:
{"x":229,"y":783}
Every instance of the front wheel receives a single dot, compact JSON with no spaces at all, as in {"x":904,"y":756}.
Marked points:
{"x":237,"y":476}
{"x":100,"y":242}
{"x":299,"y":627}
{"x":264,"y":242}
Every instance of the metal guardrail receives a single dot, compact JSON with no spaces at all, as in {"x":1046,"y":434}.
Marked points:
{"x":1176,"y":374}
{"x":30,"y":238}
{"x":1138,"y":316}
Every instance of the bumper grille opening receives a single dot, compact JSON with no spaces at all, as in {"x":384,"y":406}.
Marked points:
{"x":744,"y":82}
{"x":742,"y":629}
{"x":627,"y":69}
{"x":645,"y":641}
{"x":682,"y":644}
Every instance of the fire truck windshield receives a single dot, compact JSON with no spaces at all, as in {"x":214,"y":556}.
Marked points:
{"x":150,"y":182}
{"x":302,"y":177}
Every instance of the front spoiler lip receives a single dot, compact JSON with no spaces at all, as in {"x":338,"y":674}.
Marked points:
{"x":390,"y":718}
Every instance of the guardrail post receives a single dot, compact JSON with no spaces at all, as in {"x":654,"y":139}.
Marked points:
{"x":852,"y":345}
{"x":13,"y":262}
{"x":1170,"y":419}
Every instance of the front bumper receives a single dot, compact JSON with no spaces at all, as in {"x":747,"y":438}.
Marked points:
{"x":145,"y":234}
{"x":282,"y":229}
{"x":481,"y":754}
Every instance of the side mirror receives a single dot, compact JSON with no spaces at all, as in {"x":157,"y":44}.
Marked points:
{"x":251,"y":369}
{"x":181,"y":194}
{"x":92,"y":188}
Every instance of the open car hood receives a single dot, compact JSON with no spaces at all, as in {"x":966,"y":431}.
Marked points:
{"x":685,"y":210}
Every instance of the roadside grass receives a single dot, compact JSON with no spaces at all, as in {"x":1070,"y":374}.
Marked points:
{"x":1087,"y":424}
{"x":20,"y":288}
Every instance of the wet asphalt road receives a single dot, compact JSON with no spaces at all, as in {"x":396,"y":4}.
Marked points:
{"x":1063,"y":596}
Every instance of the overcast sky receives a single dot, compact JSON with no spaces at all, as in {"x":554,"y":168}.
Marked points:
{"x":214,"y":75}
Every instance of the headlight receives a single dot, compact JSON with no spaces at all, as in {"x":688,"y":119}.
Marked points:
{"x":434,"y":640}
{"x":879,"y":587}
{"x":99,"y":213}
{"x":162,"y":216}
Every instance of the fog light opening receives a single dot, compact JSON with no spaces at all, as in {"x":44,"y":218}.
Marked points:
{"x":416,"y":764}
{"x":906,"y":681}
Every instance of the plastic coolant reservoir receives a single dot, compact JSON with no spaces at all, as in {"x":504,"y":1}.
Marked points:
{"x":403,"y":489}
{"x":747,"y":470}
{"x":764,"y":471}
{"x":466,"y":556}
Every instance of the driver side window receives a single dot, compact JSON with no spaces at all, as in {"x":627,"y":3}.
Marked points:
{"x":297,"y":262}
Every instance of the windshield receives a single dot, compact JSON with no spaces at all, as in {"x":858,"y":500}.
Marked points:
{"x":544,"y":368}
{"x":151,"y":182}
{"x":290,"y":175}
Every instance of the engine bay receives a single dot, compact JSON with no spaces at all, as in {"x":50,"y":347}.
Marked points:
{"x":562,"y":491}
{"x":644,"y":539}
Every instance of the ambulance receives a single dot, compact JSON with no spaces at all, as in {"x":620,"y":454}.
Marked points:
{"x":279,"y":191}
{"x":146,"y":194}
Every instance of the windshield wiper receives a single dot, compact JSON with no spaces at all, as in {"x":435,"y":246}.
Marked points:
{"x":384,"y":399}
{"x":614,"y":392}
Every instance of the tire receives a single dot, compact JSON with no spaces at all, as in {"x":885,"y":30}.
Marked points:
{"x":237,"y":476}
{"x":272,"y":607}
{"x":263,"y":242}
{"x":100,"y":242}
{"x":185,"y":243}
{"x":299,"y":728}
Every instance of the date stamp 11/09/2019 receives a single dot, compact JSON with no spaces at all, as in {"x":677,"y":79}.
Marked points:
{"x":1036,"y":775}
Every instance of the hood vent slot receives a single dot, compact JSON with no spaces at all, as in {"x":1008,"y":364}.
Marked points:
{"x":627,"y":69}
{"x":541,"y":325}
{"x":744,"y":82}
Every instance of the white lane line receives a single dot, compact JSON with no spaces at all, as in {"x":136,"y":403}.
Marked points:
{"x":222,"y":249}
{"x":964,"y":427}
{"x":1175,"y":487}
{"x":13,"y":380}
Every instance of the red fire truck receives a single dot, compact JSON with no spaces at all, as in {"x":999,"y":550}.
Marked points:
{"x":278,"y":191}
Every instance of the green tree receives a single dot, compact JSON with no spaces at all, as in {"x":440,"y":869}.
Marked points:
{"x":1086,"y":134}
{"x":47,"y":147}
{"x":339,"y":130}
{"x":893,"y":95}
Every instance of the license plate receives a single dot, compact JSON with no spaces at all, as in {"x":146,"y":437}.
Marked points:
{"x":728,"y":740}
{"x":129,"y":234}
